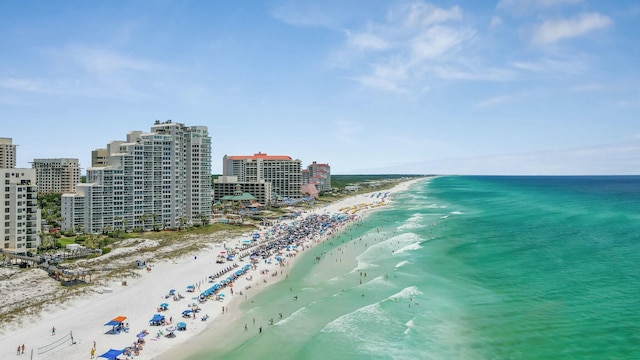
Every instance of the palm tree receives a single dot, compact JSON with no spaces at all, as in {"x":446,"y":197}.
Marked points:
{"x":203,"y":219}
{"x":155,"y":217}
{"x":143,"y":219}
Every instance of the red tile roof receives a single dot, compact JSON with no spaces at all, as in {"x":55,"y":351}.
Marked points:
{"x":259,"y":156}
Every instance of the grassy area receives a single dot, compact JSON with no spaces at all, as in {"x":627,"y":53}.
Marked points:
{"x":177,"y":235}
{"x":64,"y":241}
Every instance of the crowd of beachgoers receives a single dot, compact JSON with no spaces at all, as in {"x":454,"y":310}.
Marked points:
{"x":208,"y":286}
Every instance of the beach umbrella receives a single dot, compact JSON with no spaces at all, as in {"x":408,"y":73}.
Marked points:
{"x":182,"y":326}
{"x":171,"y":329}
{"x":164,"y":305}
{"x":141,"y":334}
{"x":187,"y":312}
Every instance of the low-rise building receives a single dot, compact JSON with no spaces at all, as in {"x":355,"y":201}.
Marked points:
{"x":229,"y":185}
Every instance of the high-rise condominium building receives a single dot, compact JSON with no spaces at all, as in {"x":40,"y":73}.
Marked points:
{"x":159,"y":179}
{"x":20,"y":224}
{"x":99,"y":157}
{"x":319,"y":175}
{"x":282,"y":172}
{"x":56,"y":175}
{"x":7,"y":153}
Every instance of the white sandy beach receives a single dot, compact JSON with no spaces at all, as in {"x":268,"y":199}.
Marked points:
{"x":85,"y":317}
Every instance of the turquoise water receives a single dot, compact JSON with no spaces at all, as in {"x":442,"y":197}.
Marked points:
{"x":464,"y":268}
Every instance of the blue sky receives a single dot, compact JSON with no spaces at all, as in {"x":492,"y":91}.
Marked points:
{"x":450,"y":87}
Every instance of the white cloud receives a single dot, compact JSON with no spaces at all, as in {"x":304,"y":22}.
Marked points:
{"x":419,"y":14}
{"x":366,"y":41}
{"x":301,"y":15}
{"x":105,"y":61}
{"x":25,"y":85}
{"x":555,"y":30}
{"x":435,"y":42}
{"x":573,"y":65}
{"x":387,"y":76}
{"x":495,"y":22}
{"x":404,"y":49}
{"x":496,"y":100}
{"x":520,"y":6}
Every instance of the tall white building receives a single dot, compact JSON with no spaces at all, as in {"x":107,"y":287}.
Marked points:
{"x":7,"y":153}
{"x":159,"y":179}
{"x":20,"y":225}
{"x":56,"y":175}
{"x":283,"y":172}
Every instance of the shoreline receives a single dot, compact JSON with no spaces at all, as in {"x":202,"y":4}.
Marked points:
{"x":220,"y":331}
{"x":86,"y":315}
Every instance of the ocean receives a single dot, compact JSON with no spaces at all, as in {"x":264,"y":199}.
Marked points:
{"x":463,"y":267}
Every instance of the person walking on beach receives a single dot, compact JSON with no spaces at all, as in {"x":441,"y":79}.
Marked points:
{"x":93,"y":352}
{"x":18,"y":353}
{"x":53,"y":331}
{"x":23,"y":348}
{"x":260,"y":329}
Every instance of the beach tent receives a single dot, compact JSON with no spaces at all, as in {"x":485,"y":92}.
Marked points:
{"x":117,"y":321}
{"x":112,"y":354}
{"x":157,"y":319}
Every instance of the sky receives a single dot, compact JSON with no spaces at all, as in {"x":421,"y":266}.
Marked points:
{"x":504,"y":87}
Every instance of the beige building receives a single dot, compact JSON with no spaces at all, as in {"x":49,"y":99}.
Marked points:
{"x":56,"y":176}
{"x":99,"y":157}
{"x":283,"y":172}
{"x":7,"y":153}
{"x":20,"y":224}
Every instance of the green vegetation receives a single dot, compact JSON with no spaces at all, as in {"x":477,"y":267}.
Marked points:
{"x":340,"y":181}
{"x":50,"y":205}
{"x":366,"y":183}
